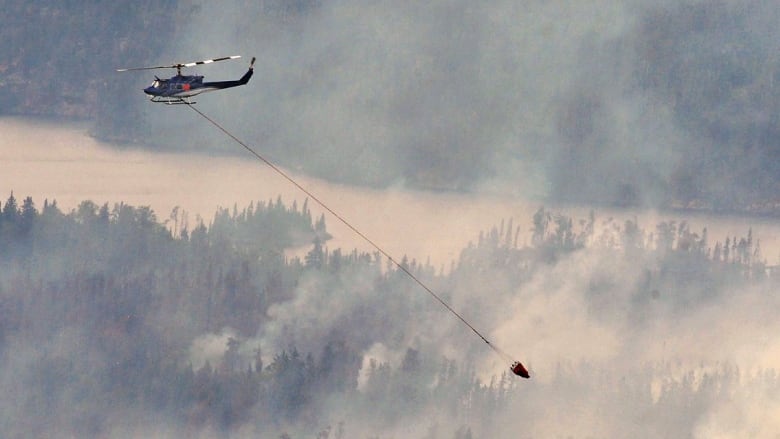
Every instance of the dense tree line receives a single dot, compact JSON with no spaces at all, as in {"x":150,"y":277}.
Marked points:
{"x":135,"y":291}
{"x":100,"y":306}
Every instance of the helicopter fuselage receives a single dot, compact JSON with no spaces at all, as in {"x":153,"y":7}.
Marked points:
{"x":178,"y":89}
{"x":178,"y":86}
{"x":181,"y":87}
{"x":185,"y":86}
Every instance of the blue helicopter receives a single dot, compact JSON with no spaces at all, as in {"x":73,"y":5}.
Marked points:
{"x":180,"y":88}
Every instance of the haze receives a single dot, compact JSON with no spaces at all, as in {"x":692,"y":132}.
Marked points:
{"x":60,"y":162}
{"x":473,"y":139}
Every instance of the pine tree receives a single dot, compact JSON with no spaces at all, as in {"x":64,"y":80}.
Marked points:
{"x":316,"y":256}
{"x":11,"y":210}
{"x":28,"y":216}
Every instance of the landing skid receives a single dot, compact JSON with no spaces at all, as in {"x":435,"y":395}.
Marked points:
{"x":171,"y":101}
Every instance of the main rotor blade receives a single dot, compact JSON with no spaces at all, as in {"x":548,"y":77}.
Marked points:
{"x":209,"y":61}
{"x":180,"y":65}
{"x":146,"y":68}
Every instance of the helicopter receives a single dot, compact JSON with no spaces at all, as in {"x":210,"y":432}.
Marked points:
{"x":180,"y":88}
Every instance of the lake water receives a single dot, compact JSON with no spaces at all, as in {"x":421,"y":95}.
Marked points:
{"x":59,"y":160}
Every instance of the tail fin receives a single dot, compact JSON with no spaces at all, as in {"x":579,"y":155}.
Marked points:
{"x":227,"y":84}
{"x":244,"y":79}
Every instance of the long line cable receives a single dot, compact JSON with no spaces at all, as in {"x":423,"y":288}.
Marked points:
{"x":353,"y":228}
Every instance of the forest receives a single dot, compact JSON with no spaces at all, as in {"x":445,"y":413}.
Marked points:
{"x":115,"y":322}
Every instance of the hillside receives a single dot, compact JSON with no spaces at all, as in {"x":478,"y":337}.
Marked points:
{"x":615,"y":104}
